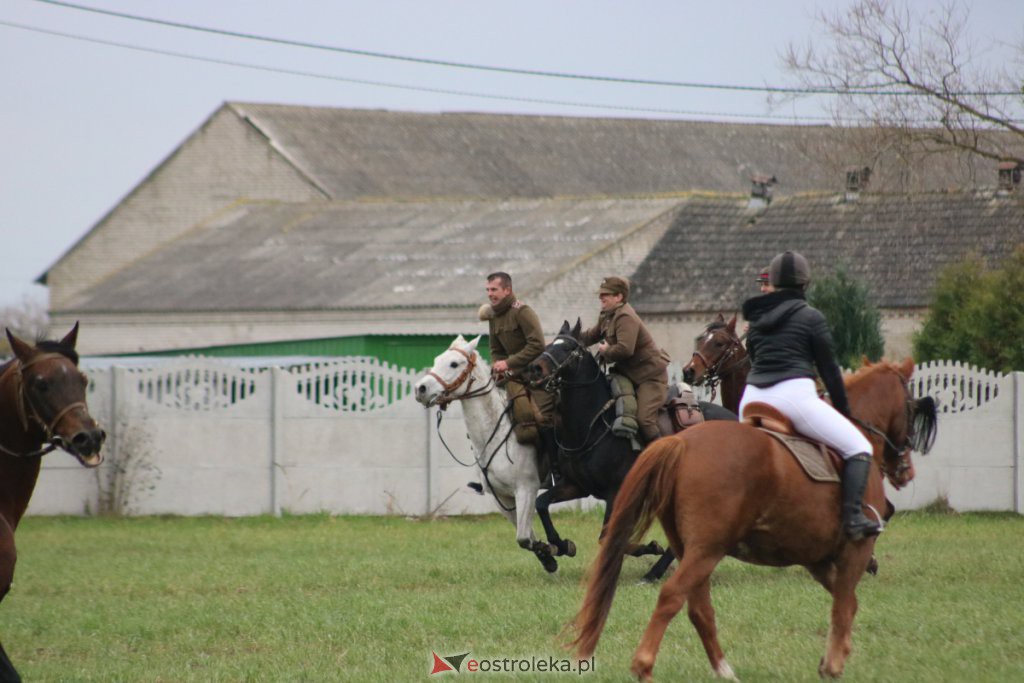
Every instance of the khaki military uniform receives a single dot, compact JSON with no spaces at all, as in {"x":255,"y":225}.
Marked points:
{"x":515,"y":336}
{"x":631,"y":347}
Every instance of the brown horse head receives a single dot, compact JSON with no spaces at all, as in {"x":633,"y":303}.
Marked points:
{"x":885,"y":406}
{"x":50,"y":397}
{"x":714,"y":350}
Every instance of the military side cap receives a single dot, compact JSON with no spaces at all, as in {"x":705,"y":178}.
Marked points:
{"x":614,"y":285}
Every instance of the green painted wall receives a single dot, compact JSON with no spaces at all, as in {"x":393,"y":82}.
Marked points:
{"x":407,"y":351}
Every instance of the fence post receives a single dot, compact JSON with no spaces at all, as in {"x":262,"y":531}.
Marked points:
{"x":1018,"y":443}
{"x":114,"y":432}
{"x":277,"y":385}
{"x":430,"y":462}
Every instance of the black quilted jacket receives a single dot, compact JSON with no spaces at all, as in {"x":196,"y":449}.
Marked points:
{"x":788,"y":339}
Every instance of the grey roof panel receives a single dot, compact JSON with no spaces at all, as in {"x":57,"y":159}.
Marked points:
{"x":897,"y":245}
{"x":353,"y":255}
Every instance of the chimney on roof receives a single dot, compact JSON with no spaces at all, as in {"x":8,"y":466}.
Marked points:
{"x":856,"y":180}
{"x":1009,"y":176}
{"x":761,"y":191}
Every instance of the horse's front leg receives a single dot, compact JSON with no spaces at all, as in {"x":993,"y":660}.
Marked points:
{"x":8,"y":558}
{"x":563,"y":491}
{"x":847,"y":574}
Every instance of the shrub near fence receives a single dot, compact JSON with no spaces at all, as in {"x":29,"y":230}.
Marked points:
{"x":196,"y":436}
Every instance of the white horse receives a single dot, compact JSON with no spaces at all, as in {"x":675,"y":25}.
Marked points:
{"x":508,"y":468}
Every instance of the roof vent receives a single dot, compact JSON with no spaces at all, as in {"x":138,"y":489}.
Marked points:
{"x":856,"y":180}
{"x":761,"y":191}
{"x":1009,"y":176}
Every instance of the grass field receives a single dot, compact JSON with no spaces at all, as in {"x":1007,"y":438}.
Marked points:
{"x":368,"y":599}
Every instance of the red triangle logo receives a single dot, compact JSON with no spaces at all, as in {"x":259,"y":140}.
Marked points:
{"x":440,"y":665}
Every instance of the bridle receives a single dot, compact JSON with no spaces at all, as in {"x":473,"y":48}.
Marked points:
{"x":714,"y":372}
{"x":27,"y":410}
{"x":446,"y":397}
{"x":554,"y":381}
{"x":911,"y":440}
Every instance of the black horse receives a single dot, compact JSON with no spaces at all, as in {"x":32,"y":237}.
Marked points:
{"x":593,"y":460}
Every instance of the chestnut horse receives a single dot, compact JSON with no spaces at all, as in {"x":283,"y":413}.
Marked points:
{"x":724,"y":488}
{"x":42,"y":407}
{"x":719,"y":358}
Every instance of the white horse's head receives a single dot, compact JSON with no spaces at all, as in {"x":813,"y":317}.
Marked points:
{"x":452,"y":372}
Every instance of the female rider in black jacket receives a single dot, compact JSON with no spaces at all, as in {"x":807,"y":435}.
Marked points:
{"x":787,"y":340}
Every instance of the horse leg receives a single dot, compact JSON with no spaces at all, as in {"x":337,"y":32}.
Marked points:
{"x":633,"y":549}
{"x":526,"y":499}
{"x":702,"y":616}
{"x":694,"y":569}
{"x":8,"y":558}
{"x":562,"y":492}
{"x":658,"y":569}
{"x":843,"y":578}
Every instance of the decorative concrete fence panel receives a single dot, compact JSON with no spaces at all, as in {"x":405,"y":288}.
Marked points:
{"x":976,"y":463}
{"x":200,"y":436}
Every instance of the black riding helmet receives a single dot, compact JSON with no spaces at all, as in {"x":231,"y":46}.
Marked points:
{"x":789,"y":269}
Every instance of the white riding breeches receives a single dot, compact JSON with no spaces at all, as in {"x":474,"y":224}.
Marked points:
{"x":798,"y":400}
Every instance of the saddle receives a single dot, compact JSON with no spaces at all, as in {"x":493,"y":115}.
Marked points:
{"x":818,"y":461}
{"x":681,"y":410}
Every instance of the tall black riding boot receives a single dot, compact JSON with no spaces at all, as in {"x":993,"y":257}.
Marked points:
{"x":855,"y":479}
{"x":547,"y":446}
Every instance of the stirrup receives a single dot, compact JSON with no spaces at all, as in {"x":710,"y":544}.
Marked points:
{"x":859,"y":528}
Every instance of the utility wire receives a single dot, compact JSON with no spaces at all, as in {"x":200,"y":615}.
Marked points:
{"x":813,"y":90}
{"x":399,"y":86}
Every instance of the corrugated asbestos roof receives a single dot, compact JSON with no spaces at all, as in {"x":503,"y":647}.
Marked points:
{"x":355,"y":255}
{"x":897,"y":245}
{"x":352,"y":153}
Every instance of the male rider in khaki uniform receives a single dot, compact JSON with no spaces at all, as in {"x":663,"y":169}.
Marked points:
{"x":625,"y":341}
{"x":516,"y":339}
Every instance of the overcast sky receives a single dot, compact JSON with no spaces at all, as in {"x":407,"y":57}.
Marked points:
{"x":85,"y":118}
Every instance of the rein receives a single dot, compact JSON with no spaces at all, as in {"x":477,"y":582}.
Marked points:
{"x":554,"y":384}
{"x":22,"y":401}
{"x":485,"y":466}
{"x":911,"y":440}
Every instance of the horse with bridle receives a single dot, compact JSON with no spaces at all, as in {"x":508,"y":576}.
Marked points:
{"x":42,"y":408}
{"x":719,"y":359}
{"x":593,"y":459}
{"x":509,"y":469}
{"x":732,"y":489}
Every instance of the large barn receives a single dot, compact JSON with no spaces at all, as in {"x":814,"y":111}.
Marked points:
{"x":288,"y":229}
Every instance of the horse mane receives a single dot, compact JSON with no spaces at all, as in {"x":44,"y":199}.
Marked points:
{"x":865,"y":371}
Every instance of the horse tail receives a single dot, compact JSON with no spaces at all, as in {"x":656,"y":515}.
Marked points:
{"x":647,"y":489}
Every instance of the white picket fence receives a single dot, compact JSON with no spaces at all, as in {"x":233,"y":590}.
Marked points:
{"x":199,"y":436}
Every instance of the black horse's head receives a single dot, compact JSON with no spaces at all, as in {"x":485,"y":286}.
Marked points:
{"x":557,"y":356}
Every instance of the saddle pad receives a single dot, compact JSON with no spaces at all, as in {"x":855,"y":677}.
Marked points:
{"x":812,"y":456}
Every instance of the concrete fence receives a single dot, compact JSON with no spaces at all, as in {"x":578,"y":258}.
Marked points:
{"x":197,"y":436}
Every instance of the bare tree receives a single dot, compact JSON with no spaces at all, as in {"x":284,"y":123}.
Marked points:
{"x":28,"y":320}
{"x":917,"y":79}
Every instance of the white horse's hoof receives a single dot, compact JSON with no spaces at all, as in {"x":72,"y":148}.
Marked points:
{"x":723,"y":670}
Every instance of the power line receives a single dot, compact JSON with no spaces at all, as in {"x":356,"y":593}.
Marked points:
{"x":399,"y":86}
{"x":781,"y":90}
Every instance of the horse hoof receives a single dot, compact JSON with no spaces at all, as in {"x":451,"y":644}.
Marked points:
{"x":568,"y":549}
{"x":654,"y":548}
{"x":550,"y":565}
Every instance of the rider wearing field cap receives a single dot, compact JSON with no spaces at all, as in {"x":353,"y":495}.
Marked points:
{"x":625,"y":341}
{"x":787,"y":340}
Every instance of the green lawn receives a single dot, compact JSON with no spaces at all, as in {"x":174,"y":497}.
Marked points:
{"x":369,"y":599}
